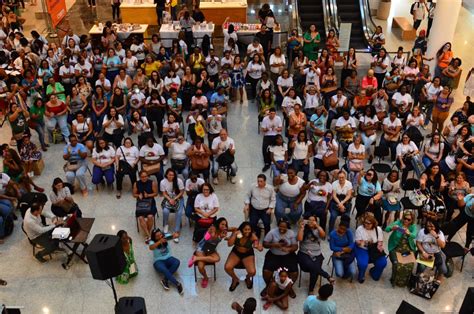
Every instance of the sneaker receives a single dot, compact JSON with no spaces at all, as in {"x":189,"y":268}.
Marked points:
{"x":165,"y":162}
{"x":233,"y":180}
{"x":176,"y":240}
{"x":204,"y":282}
{"x":265,"y":168}
{"x":215,"y":181}
{"x":180,"y":288}
{"x":165,"y":229}
{"x":165,"y":284}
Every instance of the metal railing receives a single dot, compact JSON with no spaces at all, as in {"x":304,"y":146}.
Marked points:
{"x":334,"y":16}
{"x":368,"y":24}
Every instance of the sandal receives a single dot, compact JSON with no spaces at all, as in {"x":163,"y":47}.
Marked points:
{"x":249,"y":282}
{"x":3,"y":282}
{"x":267,"y":305}
{"x":204,"y":282}
{"x":233,"y":286}
{"x":118,"y":195}
{"x":191,"y":262}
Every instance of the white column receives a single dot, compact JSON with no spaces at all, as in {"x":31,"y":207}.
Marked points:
{"x":444,"y":26}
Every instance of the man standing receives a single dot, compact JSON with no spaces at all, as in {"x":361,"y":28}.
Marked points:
{"x":259,"y":204}
{"x":418,"y":12}
{"x":75,"y":154}
{"x":40,"y":234}
{"x":271,"y":126}
{"x":160,"y":8}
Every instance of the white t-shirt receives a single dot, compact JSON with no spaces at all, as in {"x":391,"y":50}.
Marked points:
{"x":290,"y":190}
{"x":285,"y":82}
{"x":206,"y":204}
{"x":432,"y":90}
{"x":255,"y":70}
{"x":403,"y":101}
{"x":279,"y":60}
{"x":369,"y":235}
{"x":223,"y":146}
{"x":312,"y":77}
{"x":379,"y":69}
{"x":352,"y":149}
{"x":271,"y":125}
{"x":368,"y":121}
{"x":140,"y":126}
{"x":81,"y":127}
{"x":173,"y":128}
{"x":130,"y":64}
{"x":403,"y":149}
{"x":278,"y":151}
{"x":339,"y":101}
{"x":179,"y":150}
{"x":428,"y":242}
{"x":341,"y":122}
{"x":193,"y":186}
{"x":419,"y":11}
{"x":392,"y":125}
{"x":289,"y":103}
{"x":415,"y":121}
{"x":336,"y":186}
{"x":4,"y":179}
{"x":301,"y":150}
{"x":324,"y":148}
{"x":318,"y":192}
{"x":167,"y":186}
{"x":138,"y":51}
{"x":312,"y":101}
{"x":104,"y":156}
{"x":152,"y":153}
{"x":112,"y":126}
{"x":130,"y":154}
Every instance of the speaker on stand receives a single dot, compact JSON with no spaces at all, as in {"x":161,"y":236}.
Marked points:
{"x":130,"y":305}
{"x":106,"y":258}
{"x":467,"y":306}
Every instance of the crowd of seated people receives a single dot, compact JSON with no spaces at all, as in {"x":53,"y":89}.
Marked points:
{"x":144,"y":113}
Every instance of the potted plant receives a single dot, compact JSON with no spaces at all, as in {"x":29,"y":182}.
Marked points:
{"x":383,"y":10}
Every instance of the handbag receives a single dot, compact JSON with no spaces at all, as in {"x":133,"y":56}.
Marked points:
{"x":200,"y":162}
{"x":167,"y":204}
{"x":417,"y":198}
{"x":209,"y":248}
{"x":330,"y":160}
{"x":374,"y":252}
{"x":205,"y":222}
{"x":143,"y":207}
{"x":355,"y":166}
{"x":71,"y":166}
{"x":152,"y":168}
{"x":225,"y":159}
{"x":38,"y":166}
{"x":178,"y":164}
{"x":124,"y":166}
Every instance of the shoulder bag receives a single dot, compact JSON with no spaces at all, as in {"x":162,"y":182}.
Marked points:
{"x":152,"y":168}
{"x":143,"y":207}
{"x":374,"y":252}
{"x":330,"y":160}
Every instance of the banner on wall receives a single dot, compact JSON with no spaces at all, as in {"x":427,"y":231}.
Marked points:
{"x":57,"y":10}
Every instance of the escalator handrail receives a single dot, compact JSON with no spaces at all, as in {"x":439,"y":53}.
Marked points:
{"x":334,"y":16}
{"x":297,"y":17}
{"x":372,"y":25}
{"x":327,"y":16}
{"x":368,"y":32}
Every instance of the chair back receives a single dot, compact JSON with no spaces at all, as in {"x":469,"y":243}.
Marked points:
{"x":381,"y":151}
{"x":411,"y":184}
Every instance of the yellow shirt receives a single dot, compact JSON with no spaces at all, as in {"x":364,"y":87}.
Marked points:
{"x":150,"y":67}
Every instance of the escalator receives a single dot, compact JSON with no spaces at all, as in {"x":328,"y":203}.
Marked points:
{"x":349,"y":11}
{"x":312,"y":12}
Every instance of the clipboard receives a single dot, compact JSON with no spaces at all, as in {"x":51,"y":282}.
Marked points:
{"x":428,"y":263}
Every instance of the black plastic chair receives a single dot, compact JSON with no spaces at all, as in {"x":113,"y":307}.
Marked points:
{"x":34,"y":245}
{"x":452,"y":250}
{"x":380,"y":167}
{"x":207,"y":264}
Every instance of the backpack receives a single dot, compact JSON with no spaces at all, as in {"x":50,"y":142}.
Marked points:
{"x":6,"y":226}
{"x":423,"y":285}
{"x":412,"y":8}
{"x":225,"y":159}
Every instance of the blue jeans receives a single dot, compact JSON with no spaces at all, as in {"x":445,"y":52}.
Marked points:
{"x":334,"y":210}
{"x":39,"y":128}
{"x":299,"y":165}
{"x":343,"y":271}
{"x":6,"y":207}
{"x":362,"y":257}
{"x":62,"y":122}
{"x":392,"y":145}
{"x":98,"y":173}
{"x":215,"y":168}
{"x":177,"y":216}
{"x":283,"y":202}
{"x":277,"y":171}
{"x":255,"y":215}
{"x":168,"y":267}
{"x":79,"y":174}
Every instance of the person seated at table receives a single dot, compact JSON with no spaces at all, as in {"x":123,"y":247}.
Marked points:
{"x":62,"y":203}
{"x":75,"y":155}
{"x":40,"y":234}
{"x":163,"y":262}
{"x":401,"y":240}
{"x":282,"y":245}
{"x":278,"y":290}
{"x":146,"y":190}
{"x":341,"y":242}
{"x":130,"y":270}
{"x":243,"y":241}
{"x":206,"y":249}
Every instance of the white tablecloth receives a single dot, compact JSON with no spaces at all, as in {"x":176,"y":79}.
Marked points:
{"x":246,"y":36}
{"x":167,"y":34}
{"x":96,"y":30}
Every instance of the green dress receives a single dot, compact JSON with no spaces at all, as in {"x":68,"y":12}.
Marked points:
{"x":310,"y":49}
{"x":131,"y":269}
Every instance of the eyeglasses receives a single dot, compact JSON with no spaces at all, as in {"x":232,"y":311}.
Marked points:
{"x":406,"y":219}
{"x":367,"y":223}
{"x":370,"y":174}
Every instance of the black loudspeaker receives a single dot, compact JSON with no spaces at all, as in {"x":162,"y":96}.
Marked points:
{"x":467,"y":306}
{"x":407,"y":308}
{"x":105,"y":257}
{"x":130,"y":305}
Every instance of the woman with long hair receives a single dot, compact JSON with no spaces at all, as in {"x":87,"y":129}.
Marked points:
{"x":172,"y":188}
{"x":103,"y":158}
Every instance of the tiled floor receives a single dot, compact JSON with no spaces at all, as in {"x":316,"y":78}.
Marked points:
{"x":49,"y":288}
